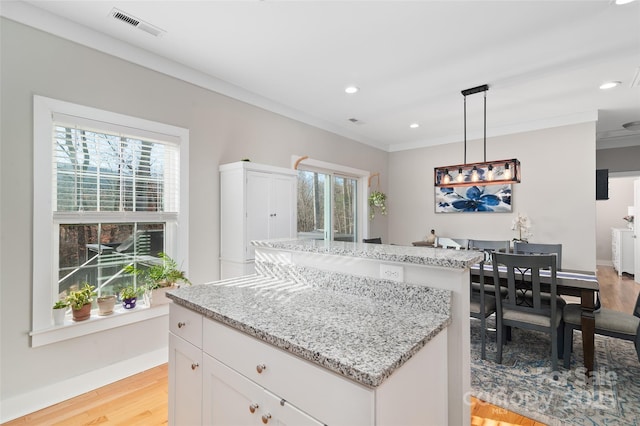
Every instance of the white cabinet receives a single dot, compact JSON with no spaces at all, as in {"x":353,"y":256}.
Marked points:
{"x":305,"y":387}
{"x":236,"y":379}
{"x":229,"y":398}
{"x":257,"y":202}
{"x":185,"y":367}
{"x":622,"y":250}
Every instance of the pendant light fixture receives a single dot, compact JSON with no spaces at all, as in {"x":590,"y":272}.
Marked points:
{"x":483,"y":173}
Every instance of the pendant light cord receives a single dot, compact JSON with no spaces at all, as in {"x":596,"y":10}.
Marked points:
{"x":465,"y":129}
{"x":485,"y":126}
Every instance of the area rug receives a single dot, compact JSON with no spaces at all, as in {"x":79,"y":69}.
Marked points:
{"x":524,"y":382}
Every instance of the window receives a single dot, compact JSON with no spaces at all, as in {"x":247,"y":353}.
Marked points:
{"x":107,"y":194}
{"x":329,"y":201}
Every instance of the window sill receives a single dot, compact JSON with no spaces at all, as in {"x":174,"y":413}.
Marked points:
{"x":96,"y":323}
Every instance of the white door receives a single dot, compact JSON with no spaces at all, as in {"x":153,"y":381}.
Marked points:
{"x":636,"y":229}
{"x":258,"y":209}
{"x":281,"y":212}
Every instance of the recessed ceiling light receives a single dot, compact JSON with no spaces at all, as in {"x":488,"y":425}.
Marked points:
{"x":620,"y":2}
{"x":351,"y":90}
{"x":609,"y":85}
{"x":414,"y":125}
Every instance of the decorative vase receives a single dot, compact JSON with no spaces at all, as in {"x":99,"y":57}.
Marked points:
{"x":129,"y":303}
{"x":106,"y":305}
{"x":58,"y":316}
{"x":83,"y":313}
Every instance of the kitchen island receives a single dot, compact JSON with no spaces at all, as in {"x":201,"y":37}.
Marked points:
{"x":316,"y":337}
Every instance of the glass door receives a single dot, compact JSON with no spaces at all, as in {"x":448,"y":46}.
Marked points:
{"x":327,"y":206}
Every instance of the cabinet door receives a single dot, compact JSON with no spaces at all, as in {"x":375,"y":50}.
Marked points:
{"x":185,"y":382}
{"x":626,"y":251}
{"x":258,"y":214}
{"x":283,"y":207}
{"x":280,"y":412}
{"x":229,"y":398}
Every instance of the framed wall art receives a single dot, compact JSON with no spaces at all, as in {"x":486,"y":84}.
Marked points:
{"x":473,"y":199}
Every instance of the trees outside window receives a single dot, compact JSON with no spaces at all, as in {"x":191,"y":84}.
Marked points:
{"x":110,"y":190}
{"x":327,"y":206}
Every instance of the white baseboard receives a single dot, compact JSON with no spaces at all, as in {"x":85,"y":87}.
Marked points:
{"x":38,"y":399}
{"x":604,"y":262}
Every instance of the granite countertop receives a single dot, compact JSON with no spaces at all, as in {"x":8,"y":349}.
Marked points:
{"x":432,"y":256}
{"x":364,"y":338}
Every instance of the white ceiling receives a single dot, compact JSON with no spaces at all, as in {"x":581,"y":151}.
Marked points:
{"x":543,"y":60}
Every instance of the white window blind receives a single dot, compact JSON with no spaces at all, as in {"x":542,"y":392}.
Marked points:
{"x":108,"y":188}
{"x":98,"y":171}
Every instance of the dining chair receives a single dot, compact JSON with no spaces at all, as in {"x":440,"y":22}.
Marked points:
{"x":609,"y":322}
{"x":481,"y":307}
{"x":488,"y":247}
{"x":541,"y":314}
{"x":454,"y":243}
{"x":482,"y":296}
{"x":539,"y":248}
{"x":377,"y":240}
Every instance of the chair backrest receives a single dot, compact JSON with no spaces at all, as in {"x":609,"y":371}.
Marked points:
{"x":523,"y":270}
{"x":454,"y":243}
{"x":537,"y":248}
{"x":493,"y":245}
{"x":377,"y":240}
{"x":489,"y":246}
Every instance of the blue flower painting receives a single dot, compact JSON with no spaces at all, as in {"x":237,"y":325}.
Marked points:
{"x":489,"y":198}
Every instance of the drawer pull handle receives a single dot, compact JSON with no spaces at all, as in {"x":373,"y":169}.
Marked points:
{"x":195,"y":365}
{"x":260,"y":368}
{"x":265,"y":418}
{"x":181,"y":324}
{"x":253,"y":408}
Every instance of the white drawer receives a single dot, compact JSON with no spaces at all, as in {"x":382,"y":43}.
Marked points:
{"x":186,"y":323}
{"x":315,"y":390}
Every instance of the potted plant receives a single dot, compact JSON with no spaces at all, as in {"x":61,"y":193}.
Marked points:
{"x":59,"y":311}
{"x":160,"y":278}
{"x":377,"y":200}
{"x":522,"y":225}
{"x":129,"y":296}
{"x":106,"y":303}
{"x":80,"y":302}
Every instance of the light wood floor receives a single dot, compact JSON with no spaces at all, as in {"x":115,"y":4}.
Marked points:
{"x":142,"y":399}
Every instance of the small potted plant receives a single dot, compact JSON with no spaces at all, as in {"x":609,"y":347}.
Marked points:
{"x":106,"y":303}
{"x":129,"y":296}
{"x":80,"y":302}
{"x":160,"y":278}
{"x":59,"y":311}
{"x":377,"y":200}
{"x":522,"y":225}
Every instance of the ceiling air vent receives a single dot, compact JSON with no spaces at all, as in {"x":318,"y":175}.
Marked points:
{"x":135,"y":22}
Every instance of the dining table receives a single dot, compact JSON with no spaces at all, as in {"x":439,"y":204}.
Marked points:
{"x":582,"y":284}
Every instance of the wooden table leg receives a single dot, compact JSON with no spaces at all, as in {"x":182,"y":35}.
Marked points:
{"x":588,"y":324}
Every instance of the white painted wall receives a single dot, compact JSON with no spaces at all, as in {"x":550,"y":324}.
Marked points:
{"x":557,"y":191}
{"x":222,"y":130}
